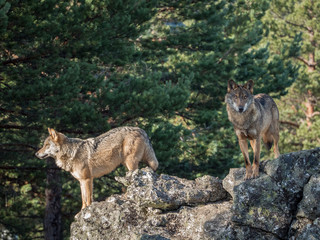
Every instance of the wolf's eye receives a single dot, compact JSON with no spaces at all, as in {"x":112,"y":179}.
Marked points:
{"x":245,"y":97}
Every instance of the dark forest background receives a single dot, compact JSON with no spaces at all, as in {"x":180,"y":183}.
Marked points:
{"x":83,"y":67}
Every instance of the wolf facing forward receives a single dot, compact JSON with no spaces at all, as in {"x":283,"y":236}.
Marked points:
{"x":94,"y":157}
{"x":253,"y":117}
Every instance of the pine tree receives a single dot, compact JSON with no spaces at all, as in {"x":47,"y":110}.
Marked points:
{"x":293,"y":34}
{"x":212,"y":42}
{"x":84,"y":67}
{"x":71,"y":66}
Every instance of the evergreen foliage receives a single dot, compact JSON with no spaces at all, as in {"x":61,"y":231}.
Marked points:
{"x":293,"y":33}
{"x":212,"y":44}
{"x":83,"y":67}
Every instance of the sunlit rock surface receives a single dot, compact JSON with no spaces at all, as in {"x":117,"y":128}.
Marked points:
{"x":283,"y":203}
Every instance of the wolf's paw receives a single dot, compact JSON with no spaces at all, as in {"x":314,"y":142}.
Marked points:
{"x":248,"y":174}
{"x":247,"y":177}
{"x":255,"y":173}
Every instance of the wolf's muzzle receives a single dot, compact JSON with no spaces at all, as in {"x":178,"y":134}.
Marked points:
{"x":41,"y":156}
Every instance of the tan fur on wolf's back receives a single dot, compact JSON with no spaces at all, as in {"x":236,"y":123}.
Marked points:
{"x":253,"y":117}
{"x":91,"y":158}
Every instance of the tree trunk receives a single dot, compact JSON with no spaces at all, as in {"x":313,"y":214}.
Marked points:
{"x":311,"y":100}
{"x":311,"y":64}
{"x":52,"y":220}
{"x":310,"y":103}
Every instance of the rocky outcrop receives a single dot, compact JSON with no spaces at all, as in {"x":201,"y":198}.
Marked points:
{"x":283,"y":203}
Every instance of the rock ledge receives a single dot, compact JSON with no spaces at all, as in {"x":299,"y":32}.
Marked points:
{"x":283,"y":203}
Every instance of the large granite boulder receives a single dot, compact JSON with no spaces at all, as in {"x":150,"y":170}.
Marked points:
{"x":283,"y":203}
{"x":148,"y":189}
{"x":261,"y":204}
{"x":154,"y":207}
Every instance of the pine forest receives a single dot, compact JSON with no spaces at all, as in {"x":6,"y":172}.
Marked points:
{"x":83,"y":67}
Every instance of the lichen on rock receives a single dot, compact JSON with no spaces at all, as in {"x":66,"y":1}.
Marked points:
{"x":283,"y":203}
{"x":169,"y":192}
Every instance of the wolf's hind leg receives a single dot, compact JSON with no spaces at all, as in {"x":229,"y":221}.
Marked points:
{"x":132,"y":160}
{"x":133,"y":152}
{"x":275,"y":125}
{"x":131,"y":163}
{"x":276,"y":147}
{"x":272,"y":136}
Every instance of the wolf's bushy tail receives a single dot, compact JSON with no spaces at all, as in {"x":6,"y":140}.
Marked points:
{"x":150,"y":157}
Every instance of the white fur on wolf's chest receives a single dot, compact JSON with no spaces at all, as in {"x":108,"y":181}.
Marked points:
{"x":64,"y":164}
{"x":59,"y":163}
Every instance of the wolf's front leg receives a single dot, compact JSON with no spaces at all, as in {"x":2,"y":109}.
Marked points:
{"x":255,"y":144}
{"x":86,"y":191}
{"x":244,"y":149}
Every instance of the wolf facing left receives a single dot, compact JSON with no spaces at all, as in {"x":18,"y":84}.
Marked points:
{"x":253,"y":117}
{"x":91,"y":158}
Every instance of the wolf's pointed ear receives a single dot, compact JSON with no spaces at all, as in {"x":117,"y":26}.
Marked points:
{"x":232,"y":85}
{"x":249,"y":85}
{"x":53,"y":134}
{"x":49,"y":130}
